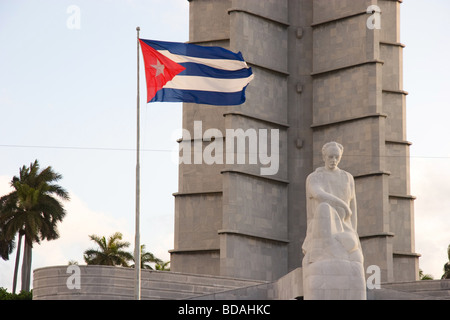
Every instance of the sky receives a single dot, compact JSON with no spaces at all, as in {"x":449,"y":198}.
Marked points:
{"x":68,"y":99}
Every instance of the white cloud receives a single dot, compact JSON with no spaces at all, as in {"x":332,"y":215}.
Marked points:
{"x":74,"y":230}
{"x":5,"y":188}
{"x":431,"y":184}
{"x":79,"y":222}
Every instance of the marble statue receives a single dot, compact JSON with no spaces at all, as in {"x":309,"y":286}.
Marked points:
{"x":333,"y":260}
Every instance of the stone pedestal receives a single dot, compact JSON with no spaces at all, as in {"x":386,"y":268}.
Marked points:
{"x":334,"y":280}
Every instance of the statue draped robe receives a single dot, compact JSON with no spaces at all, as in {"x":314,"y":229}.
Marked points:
{"x":333,"y":259}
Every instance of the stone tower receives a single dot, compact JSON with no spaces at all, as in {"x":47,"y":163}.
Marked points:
{"x":322,"y":73}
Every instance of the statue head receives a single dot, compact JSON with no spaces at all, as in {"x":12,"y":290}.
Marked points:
{"x":331,"y":154}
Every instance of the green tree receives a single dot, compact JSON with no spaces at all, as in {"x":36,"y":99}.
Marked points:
{"x":6,"y":246}
{"x":446,"y":274}
{"x":23,"y":295}
{"x":423,"y":276}
{"x":32,"y":210}
{"x":147,"y":258}
{"x":162,"y":266}
{"x":110,"y":252}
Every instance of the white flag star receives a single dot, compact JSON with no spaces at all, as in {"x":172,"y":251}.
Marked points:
{"x":159,"y":68}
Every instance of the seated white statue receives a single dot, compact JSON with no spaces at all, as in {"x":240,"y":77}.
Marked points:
{"x":333,"y":261}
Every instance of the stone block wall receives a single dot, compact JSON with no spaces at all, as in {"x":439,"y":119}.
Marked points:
{"x":359,"y":101}
{"x":320,"y":75}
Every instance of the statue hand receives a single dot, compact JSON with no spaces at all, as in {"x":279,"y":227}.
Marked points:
{"x":344,"y":211}
{"x":347,"y":240}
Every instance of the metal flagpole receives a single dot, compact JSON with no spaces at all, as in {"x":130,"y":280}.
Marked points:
{"x":137,"y":248}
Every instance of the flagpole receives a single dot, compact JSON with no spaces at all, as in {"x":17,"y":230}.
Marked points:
{"x":137,"y":248}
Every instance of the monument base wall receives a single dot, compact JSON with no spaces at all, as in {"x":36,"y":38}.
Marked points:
{"x":116,"y":283}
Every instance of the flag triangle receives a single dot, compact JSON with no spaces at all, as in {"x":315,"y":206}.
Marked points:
{"x":158,"y":69}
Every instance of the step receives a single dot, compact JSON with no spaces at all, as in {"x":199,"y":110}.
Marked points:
{"x":427,"y":288}
{"x":118,"y":283}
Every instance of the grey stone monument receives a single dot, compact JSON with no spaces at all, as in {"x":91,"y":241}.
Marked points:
{"x":333,"y":262}
{"x":321,"y":74}
{"x":325,"y":70}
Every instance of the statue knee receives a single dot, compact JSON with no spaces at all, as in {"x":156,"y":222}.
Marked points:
{"x":324,"y":209}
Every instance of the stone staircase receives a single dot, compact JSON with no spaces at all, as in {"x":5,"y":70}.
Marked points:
{"x":423,"y":290}
{"x":105,"y":283}
{"x":171,"y":285}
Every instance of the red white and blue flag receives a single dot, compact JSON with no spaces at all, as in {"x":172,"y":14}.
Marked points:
{"x":181,"y":72}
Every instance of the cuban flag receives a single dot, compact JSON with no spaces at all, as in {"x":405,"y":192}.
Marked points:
{"x":181,"y":72}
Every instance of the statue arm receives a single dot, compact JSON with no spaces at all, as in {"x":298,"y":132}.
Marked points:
{"x":317,"y":192}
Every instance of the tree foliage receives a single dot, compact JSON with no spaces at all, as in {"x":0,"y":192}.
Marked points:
{"x":147,"y":258}
{"x":31,"y":211}
{"x":23,"y":295}
{"x":110,"y":252}
{"x":423,"y":276}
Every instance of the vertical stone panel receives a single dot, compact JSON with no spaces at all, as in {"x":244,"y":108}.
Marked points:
{"x":194,"y":178}
{"x":390,"y":20}
{"x":208,"y":20}
{"x":363,"y":142}
{"x":255,"y":206}
{"x":401,"y":209}
{"x":373,"y":218}
{"x":326,"y":10}
{"x":262,"y":42}
{"x":343,"y":43}
{"x":275,"y":9}
{"x":346,"y":94}
{"x":196,"y":262}
{"x":198,"y":203}
{"x":397,"y":148}
{"x":266,"y":96}
{"x":378,"y":251}
{"x":394,"y":108}
{"x":258,"y":138}
{"x":398,"y":161}
{"x":254,"y":234}
{"x":197,"y":219}
{"x":252,"y":258}
{"x":393,"y":66}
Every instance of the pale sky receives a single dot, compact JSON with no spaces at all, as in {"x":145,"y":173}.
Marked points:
{"x":68,"y":99}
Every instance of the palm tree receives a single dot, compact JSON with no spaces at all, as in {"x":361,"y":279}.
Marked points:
{"x":147,"y":258}
{"x":6,"y":246}
{"x":110,"y":253}
{"x":446,"y":274}
{"x":423,"y":276}
{"x":32,"y":210}
{"x":162,"y":266}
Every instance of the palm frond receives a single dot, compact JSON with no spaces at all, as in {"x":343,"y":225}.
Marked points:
{"x":110,"y":251}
